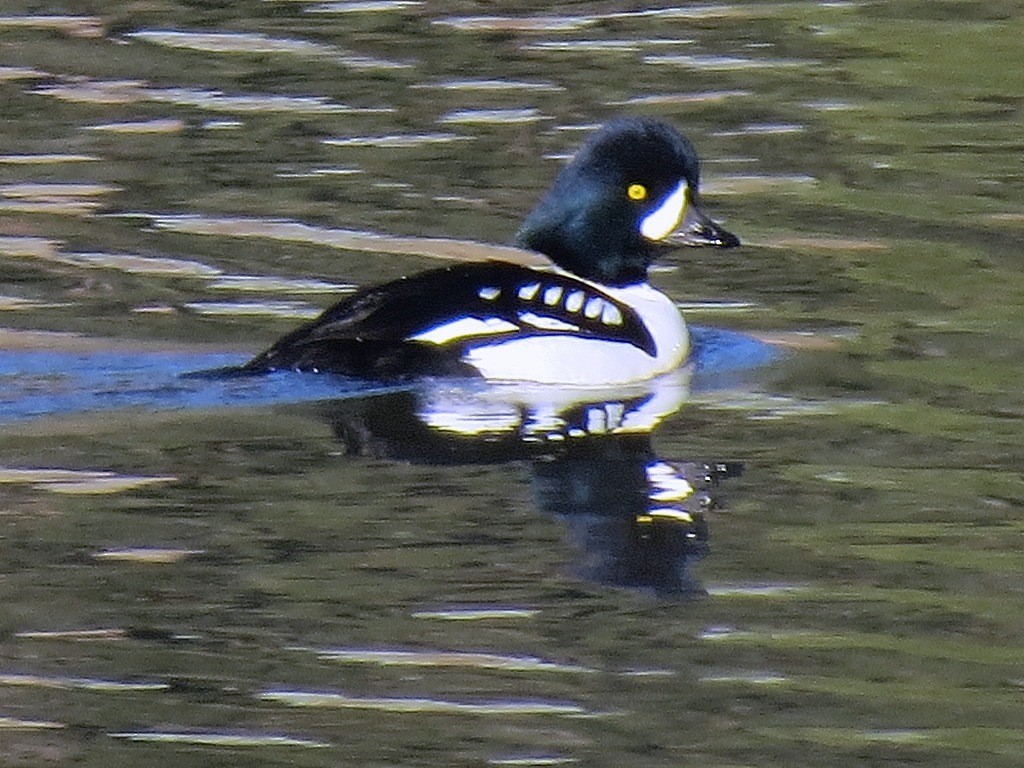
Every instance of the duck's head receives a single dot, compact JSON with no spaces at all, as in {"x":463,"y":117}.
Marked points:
{"x":630,"y":186}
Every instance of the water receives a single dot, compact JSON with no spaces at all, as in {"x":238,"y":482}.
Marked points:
{"x":201,"y":574}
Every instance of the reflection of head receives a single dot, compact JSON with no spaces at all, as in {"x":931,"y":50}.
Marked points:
{"x":611,"y":495}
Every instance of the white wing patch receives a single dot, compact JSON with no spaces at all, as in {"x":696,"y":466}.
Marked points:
{"x":489,"y":293}
{"x":610,"y":314}
{"x":462,"y":328}
{"x":574,"y":301}
{"x":662,"y":221}
{"x":547,"y":323}
{"x":527,"y":292}
{"x":593,"y":307}
{"x":552,"y":295}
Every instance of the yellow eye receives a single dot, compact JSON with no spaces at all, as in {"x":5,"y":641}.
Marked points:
{"x":636,"y":192}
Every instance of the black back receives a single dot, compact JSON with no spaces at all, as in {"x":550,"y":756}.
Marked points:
{"x":369,"y":333}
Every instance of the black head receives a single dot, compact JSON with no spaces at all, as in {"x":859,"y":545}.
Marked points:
{"x":631,"y":185}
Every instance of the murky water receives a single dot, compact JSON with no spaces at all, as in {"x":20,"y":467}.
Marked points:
{"x":199,"y":573}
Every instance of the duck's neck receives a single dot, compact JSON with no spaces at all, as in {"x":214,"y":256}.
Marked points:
{"x":596,"y":263}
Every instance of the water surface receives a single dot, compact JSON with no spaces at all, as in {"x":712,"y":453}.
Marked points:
{"x":202,"y":576}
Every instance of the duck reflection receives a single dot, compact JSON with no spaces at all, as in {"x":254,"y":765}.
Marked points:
{"x":636,"y":520}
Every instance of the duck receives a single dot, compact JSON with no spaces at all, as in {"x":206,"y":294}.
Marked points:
{"x":591,"y":319}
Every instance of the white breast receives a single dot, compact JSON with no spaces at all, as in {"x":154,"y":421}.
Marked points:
{"x":580,"y":361}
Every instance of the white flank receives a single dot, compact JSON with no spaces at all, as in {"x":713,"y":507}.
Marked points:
{"x":585,"y":361}
{"x":662,"y":221}
{"x":463,"y":327}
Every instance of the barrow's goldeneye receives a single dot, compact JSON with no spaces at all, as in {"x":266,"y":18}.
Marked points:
{"x":591,"y":320}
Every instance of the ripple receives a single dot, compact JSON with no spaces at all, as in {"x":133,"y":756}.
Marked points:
{"x":16,"y":303}
{"x":266,"y":283}
{"x":73,"y":26}
{"x":606,"y":45}
{"x":317,"y":173}
{"x":719,"y":633}
{"x":73,"y":634}
{"x":434,"y":658}
{"x":73,"y":481}
{"x":1008,"y":218}
{"x":476,"y":614}
{"x":139,"y":265}
{"x":491,"y":116}
{"x":762,"y":407}
{"x":45,"y":159}
{"x":397,"y":140}
{"x":723,"y":305}
{"x":37,"y":247}
{"x":215,"y":739}
{"x":78,"y":683}
{"x":490,"y":85}
{"x":56,"y":191}
{"x":258,"y":43}
{"x":366,"y":6}
{"x":756,"y":590}
{"x":82,"y":90}
{"x":725,"y":63}
{"x":745,"y":184}
{"x":148,"y":555}
{"x":762,"y":129}
{"x":830,"y":105}
{"x":223,"y":125}
{"x":822,"y":243}
{"x":290,"y":309}
{"x":748,"y":678}
{"x":585,"y":46}
{"x":159,"y":125}
{"x":352,"y":240}
{"x":8,"y":74}
{"x":517,"y":23}
{"x":414,"y":705}
{"x":699,"y":97}
{"x":17,"y":724}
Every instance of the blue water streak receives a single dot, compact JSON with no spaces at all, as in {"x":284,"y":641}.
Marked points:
{"x":38,"y":383}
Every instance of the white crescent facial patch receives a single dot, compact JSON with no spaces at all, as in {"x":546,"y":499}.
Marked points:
{"x":662,"y":221}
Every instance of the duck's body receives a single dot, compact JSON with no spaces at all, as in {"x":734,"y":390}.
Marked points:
{"x":594,"y":319}
{"x":659,"y":342}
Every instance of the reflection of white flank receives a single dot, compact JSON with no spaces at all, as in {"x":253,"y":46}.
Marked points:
{"x":543,"y":412}
{"x":462,"y":328}
{"x":660,"y":223}
{"x":471,"y":418}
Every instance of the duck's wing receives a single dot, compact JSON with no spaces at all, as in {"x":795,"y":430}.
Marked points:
{"x":417,"y":317}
